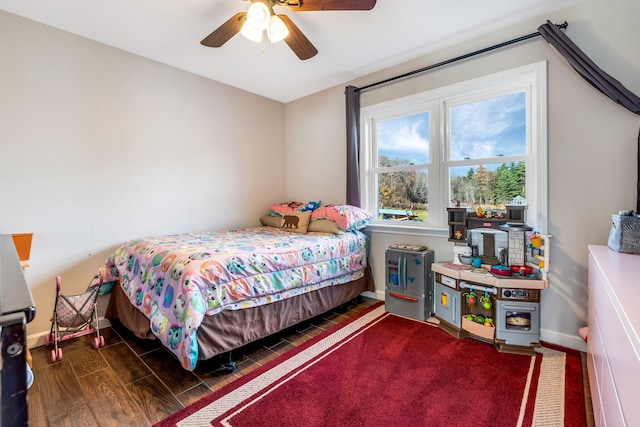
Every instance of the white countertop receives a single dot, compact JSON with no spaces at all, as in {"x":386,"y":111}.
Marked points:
{"x":489,"y":279}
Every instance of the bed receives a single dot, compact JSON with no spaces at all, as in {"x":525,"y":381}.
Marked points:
{"x":204,"y":294}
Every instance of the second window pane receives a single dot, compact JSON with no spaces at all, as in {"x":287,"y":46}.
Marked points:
{"x":489,"y":128}
{"x":403,"y":141}
{"x":492,"y":185}
{"x":403,"y":195}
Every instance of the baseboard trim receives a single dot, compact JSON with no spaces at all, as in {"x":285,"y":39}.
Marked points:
{"x":574,"y":342}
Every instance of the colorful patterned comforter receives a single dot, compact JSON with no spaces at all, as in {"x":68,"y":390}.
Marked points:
{"x":177,"y":280}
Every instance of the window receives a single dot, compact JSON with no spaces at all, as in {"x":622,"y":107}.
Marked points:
{"x":402,"y":167}
{"x":480,"y":143}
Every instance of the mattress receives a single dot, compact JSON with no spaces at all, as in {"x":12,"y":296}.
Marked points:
{"x":178,"y":280}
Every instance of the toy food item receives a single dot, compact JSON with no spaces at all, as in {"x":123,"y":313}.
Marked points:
{"x":471,"y":298}
{"x":486,"y":301}
{"x":518,"y":321}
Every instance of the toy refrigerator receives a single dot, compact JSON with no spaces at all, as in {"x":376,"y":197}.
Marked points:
{"x":409,"y":281}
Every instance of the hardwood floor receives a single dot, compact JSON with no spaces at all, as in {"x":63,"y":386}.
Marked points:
{"x":588,"y":404}
{"x":133,"y":382}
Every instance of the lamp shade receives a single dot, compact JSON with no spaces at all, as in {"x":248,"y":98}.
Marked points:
{"x":277,"y":29}
{"x":250,"y":32}
{"x":258,"y":16}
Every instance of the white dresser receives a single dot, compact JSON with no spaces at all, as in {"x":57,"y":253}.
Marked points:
{"x":613,"y":348}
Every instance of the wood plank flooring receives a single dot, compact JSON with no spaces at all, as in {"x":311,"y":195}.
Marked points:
{"x":133,"y":382}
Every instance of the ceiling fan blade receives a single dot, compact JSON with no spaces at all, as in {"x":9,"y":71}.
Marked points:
{"x":306,"y":5}
{"x":297,"y":41}
{"x":224,"y":32}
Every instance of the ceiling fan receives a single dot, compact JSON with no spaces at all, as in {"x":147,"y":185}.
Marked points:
{"x":260,"y":18}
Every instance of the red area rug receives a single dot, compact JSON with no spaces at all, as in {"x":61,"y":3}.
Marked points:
{"x":384,"y":370}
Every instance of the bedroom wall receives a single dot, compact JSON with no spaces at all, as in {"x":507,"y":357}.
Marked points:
{"x":591,"y":152}
{"x":98,"y":146}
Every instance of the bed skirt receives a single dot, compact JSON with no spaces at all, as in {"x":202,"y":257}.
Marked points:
{"x":231,"y":329}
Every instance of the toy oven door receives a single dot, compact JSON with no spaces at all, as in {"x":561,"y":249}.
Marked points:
{"x":518,"y":316}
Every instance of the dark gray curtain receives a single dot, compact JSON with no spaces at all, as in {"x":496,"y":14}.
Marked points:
{"x":588,"y":69}
{"x":353,"y":145}
{"x":594,"y":75}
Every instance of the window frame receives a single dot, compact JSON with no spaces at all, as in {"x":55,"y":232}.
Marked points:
{"x":532,"y":79}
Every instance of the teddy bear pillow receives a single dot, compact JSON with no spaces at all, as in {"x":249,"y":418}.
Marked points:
{"x":296,"y":222}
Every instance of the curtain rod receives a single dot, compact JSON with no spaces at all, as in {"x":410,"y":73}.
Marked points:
{"x":459,"y":58}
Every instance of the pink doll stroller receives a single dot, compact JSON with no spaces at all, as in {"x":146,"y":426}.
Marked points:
{"x":73,"y":316}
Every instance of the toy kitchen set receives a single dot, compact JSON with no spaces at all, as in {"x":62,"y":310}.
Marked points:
{"x":491,"y":289}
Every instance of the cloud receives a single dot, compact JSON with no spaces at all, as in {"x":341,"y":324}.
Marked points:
{"x":489,"y":127}
{"x":406,"y":138}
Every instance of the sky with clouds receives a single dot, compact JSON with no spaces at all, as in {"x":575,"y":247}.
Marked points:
{"x":480,"y":129}
{"x":406,"y":138}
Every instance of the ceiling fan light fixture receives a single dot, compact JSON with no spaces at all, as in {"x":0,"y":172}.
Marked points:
{"x":250,"y":32}
{"x":277,"y":29}
{"x":258,"y":15}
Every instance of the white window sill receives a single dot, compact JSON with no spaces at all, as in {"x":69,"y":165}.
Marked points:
{"x":404,"y":227}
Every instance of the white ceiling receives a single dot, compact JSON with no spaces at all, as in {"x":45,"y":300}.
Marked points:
{"x":351,"y":44}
